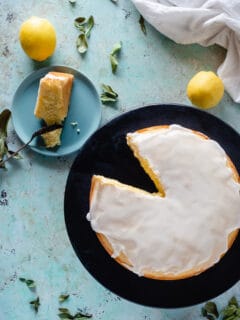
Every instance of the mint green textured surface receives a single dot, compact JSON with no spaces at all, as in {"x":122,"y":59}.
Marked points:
{"x":33,"y":239}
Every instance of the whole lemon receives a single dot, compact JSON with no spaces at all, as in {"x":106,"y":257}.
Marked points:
{"x":205,"y":89}
{"x":38,"y":38}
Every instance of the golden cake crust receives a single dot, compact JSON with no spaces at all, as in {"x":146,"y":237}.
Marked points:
{"x":122,"y":258}
{"x":53,"y":103}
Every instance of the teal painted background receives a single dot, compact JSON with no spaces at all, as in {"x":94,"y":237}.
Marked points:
{"x":33,"y":239}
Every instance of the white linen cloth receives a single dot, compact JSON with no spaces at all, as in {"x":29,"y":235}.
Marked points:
{"x":205,"y":22}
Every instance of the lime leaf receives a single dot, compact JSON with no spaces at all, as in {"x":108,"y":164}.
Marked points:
{"x":233,"y":301}
{"x":229,"y":311}
{"x":30,"y":283}
{"x":35,"y":304}
{"x":113,"y":56}
{"x":89,"y":26}
{"x":210,"y":311}
{"x":108,"y":94}
{"x":79,"y":22}
{"x":142,"y":24}
{"x":114,"y":63}
{"x":82,"y":315}
{"x":81,"y":43}
{"x":116,"y":48}
{"x":63,"y":297}
{"x":4,"y":118}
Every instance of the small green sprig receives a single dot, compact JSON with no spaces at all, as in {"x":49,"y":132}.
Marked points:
{"x":84,"y":26}
{"x":4,"y":150}
{"x":35,"y":304}
{"x":210,"y":311}
{"x":108,"y":94}
{"x":30,"y":283}
{"x":63,"y":297}
{"x":142,"y":24}
{"x":230,"y":312}
{"x":65,"y":314}
{"x":113,"y":56}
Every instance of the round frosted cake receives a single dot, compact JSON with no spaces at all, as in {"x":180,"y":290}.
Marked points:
{"x":188,"y":224}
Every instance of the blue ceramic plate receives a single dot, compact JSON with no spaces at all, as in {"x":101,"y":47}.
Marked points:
{"x":84,"y":109}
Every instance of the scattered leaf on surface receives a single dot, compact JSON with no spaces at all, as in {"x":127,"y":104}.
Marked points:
{"x":142,"y":24}
{"x":108,"y":94}
{"x":113,"y":56}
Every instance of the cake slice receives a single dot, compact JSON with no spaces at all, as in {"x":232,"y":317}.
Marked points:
{"x":53,"y":103}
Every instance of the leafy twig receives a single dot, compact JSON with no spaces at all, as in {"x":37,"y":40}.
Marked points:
{"x":230,"y":312}
{"x":34,"y":135}
{"x":4,"y":151}
{"x":84,"y":26}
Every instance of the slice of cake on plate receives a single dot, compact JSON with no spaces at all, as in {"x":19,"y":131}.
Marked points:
{"x":53,"y":103}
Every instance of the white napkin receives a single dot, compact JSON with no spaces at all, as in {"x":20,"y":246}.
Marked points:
{"x":205,"y":22}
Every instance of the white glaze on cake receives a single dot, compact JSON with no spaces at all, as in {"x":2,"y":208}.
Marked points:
{"x":186,"y":229}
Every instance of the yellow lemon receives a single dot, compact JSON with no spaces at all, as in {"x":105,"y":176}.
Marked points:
{"x":38,"y":38}
{"x":205,"y":89}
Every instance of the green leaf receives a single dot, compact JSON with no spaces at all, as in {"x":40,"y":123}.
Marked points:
{"x":4,"y":119}
{"x":232,"y":317}
{"x":65,"y":310}
{"x":233,"y":301}
{"x":108,"y":94}
{"x":89,"y":26}
{"x":84,"y":25}
{"x":142,"y":24}
{"x":65,"y":316}
{"x":109,"y":91}
{"x":229,"y":311}
{"x":210,"y":311}
{"x":116,"y":48}
{"x":114,"y":63}
{"x":81,"y":315}
{"x":79,"y":22}
{"x":30,"y":283}
{"x":63,"y":297}
{"x":82,"y":44}
{"x":35,"y":304}
{"x":113,"y":56}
